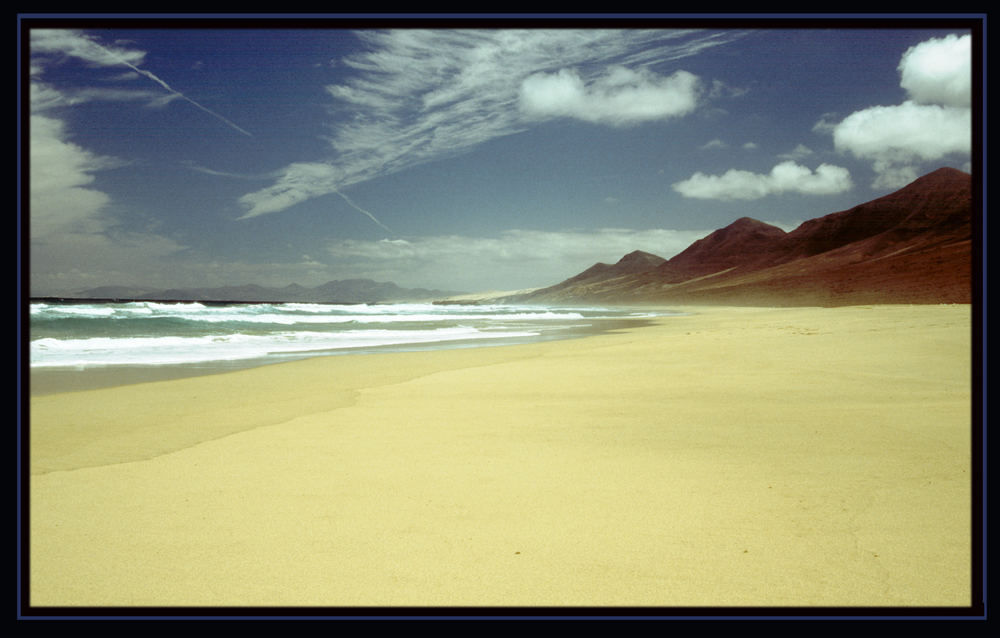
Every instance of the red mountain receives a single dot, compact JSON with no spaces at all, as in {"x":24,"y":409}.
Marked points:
{"x":911,"y":246}
{"x":729,"y":247}
{"x":634,"y":263}
{"x":934,"y":207}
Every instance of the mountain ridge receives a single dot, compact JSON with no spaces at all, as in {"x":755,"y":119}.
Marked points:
{"x":910,"y":246}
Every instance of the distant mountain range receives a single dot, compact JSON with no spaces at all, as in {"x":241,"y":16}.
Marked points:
{"x":346,"y":291}
{"x":911,"y":246}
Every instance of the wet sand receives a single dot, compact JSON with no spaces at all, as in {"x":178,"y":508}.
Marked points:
{"x":734,"y":457}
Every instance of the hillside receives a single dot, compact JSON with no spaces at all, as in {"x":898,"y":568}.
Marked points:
{"x":911,"y":246}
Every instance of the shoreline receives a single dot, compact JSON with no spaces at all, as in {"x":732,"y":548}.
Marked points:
{"x":57,"y":380}
{"x":727,"y":457}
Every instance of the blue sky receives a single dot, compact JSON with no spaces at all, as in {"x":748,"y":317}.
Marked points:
{"x":471,"y":159}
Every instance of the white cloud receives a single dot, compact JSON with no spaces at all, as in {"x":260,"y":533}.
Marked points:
{"x":74,"y":43}
{"x":620,"y":97}
{"x":296,"y":183}
{"x":417,"y":96}
{"x":905,"y":131}
{"x":786,"y":177}
{"x":721,"y":89}
{"x":62,"y":194}
{"x":514,"y":259}
{"x":826,"y":124}
{"x":74,"y":236}
{"x":75,"y":241}
{"x":62,"y":198}
{"x":934,"y":124}
{"x":939,"y":71}
{"x":48,"y":44}
{"x":64,"y":264}
{"x":798,"y":152}
{"x":62,"y":173}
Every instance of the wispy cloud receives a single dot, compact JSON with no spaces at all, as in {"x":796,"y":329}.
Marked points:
{"x":717,"y":144}
{"x":416,"y":96}
{"x":45,"y":97}
{"x":87,"y":48}
{"x":797,"y":153}
{"x":934,"y":123}
{"x":786,"y":177}
{"x":74,"y":43}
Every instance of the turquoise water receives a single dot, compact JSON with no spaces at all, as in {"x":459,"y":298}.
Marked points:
{"x":86,"y":335}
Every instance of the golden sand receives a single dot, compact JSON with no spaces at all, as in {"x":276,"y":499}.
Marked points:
{"x":735,"y":456}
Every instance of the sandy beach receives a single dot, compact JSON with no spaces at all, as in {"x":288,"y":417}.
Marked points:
{"x":731,"y":457}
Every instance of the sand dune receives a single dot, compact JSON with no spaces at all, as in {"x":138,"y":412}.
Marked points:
{"x":732,"y":457}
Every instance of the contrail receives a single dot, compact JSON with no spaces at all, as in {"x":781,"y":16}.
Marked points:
{"x":346,"y":199}
{"x":169,"y":88}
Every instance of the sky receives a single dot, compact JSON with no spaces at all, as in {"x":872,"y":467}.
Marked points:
{"x":468,"y":156}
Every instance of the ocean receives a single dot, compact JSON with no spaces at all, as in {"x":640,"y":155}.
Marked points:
{"x":130,"y":337}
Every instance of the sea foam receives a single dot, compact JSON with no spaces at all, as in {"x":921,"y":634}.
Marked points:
{"x":149,"y":333}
